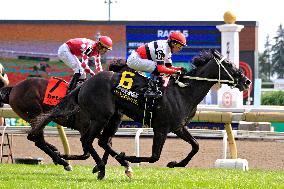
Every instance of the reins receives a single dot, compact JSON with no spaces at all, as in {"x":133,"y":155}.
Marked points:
{"x":219,"y":80}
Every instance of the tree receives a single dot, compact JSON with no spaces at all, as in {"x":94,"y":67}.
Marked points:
{"x":265,"y":61}
{"x":278,"y":53}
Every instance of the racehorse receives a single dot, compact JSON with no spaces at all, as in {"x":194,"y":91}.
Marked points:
{"x":26,"y":99}
{"x":173,"y":112}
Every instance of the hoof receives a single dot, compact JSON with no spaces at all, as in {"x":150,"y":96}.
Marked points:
{"x":100,"y":169}
{"x":129,"y":171}
{"x":172,"y":164}
{"x":95,"y":169}
{"x":101,"y":175}
{"x":68,"y":168}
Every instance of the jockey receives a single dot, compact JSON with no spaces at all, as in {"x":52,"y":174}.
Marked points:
{"x":83,"y":48}
{"x":155,"y":57}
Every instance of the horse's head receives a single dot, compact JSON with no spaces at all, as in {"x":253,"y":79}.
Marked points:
{"x":212,"y":66}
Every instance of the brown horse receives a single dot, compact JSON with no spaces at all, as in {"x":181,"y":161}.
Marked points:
{"x":26,"y":99}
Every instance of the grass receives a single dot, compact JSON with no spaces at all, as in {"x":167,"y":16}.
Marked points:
{"x":51,"y":176}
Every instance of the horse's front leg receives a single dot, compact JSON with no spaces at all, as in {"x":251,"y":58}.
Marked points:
{"x":87,"y":140}
{"x":160,"y":136}
{"x":184,"y":134}
{"x":54,"y":149}
{"x":85,"y":154}
{"x":105,"y":141}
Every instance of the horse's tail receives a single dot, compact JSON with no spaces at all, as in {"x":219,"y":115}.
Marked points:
{"x":66,"y":107}
{"x":4,"y":94}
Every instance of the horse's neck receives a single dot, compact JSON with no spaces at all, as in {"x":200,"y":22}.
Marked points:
{"x":199,"y":90}
{"x":195,"y":92}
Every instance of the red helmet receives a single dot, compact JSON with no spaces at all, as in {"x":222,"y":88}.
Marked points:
{"x":178,"y":37}
{"x":106,"y":42}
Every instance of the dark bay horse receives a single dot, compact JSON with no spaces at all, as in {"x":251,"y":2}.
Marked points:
{"x":174,"y":110}
{"x":26,"y":99}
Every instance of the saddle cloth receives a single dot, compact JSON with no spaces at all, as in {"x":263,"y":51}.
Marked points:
{"x":55,"y":91}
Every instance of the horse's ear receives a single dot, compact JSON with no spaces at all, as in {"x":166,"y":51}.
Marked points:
{"x":216,"y":53}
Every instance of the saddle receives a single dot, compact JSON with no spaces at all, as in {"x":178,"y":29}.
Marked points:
{"x":131,"y":87}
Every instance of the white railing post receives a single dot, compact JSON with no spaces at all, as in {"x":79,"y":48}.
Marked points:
{"x":137,"y":143}
{"x":225,"y":144}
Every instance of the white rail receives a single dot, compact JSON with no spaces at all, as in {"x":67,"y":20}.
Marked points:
{"x":138,"y":132}
{"x":215,"y":115}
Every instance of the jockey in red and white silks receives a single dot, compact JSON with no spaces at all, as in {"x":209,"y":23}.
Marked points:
{"x":156,"y":55}
{"x":155,"y":58}
{"x":83,"y":48}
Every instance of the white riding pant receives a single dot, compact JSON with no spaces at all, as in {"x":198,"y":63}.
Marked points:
{"x":135,"y":62}
{"x":71,"y":60}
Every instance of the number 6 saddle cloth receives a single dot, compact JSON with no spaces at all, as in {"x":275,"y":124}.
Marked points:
{"x":131,"y":87}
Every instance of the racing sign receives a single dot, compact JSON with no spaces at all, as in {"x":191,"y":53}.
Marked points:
{"x":198,"y":38}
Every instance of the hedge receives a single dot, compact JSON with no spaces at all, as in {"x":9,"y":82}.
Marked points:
{"x":273,"y":98}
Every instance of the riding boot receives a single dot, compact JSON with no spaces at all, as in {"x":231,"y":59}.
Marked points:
{"x":153,"y":89}
{"x":73,"y":83}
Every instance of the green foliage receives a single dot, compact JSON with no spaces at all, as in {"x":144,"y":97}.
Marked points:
{"x":278,"y":53}
{"x":273,"y":98}
{"x":267,"y":84}
{"x":51,"y":176}
{"x":264,"y":60}
{"x":271,"y":61}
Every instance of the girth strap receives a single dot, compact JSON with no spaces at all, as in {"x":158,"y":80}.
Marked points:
{"x":148,"y":112}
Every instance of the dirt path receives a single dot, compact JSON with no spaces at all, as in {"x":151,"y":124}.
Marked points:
{"x":261,"y":154}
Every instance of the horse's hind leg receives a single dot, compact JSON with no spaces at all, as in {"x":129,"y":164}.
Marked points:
{"x":184,"y":134}
{"x":54,"y":149}
{"x":41,"y":144}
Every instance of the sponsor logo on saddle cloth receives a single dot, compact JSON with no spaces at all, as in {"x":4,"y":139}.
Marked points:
{"x":126,"y":83}
{"x":55,"y":91}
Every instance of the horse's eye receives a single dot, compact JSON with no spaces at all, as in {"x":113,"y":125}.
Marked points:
{"x":239,"y":72}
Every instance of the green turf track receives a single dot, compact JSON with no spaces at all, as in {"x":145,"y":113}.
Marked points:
{"x":51,"y":176}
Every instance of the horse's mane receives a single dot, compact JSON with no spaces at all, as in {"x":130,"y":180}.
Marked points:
{"x":116,"y":65}
{"x":202,"y":58}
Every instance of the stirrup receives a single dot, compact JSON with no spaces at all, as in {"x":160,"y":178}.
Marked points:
{"x":80,"y":82}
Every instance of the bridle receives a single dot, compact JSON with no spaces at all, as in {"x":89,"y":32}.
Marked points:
{"x":219,"y":80}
